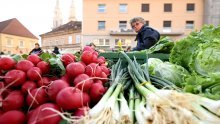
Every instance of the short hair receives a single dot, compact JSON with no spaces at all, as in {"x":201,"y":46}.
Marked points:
{"x":37,"y":44}
{"x":137,"y":19}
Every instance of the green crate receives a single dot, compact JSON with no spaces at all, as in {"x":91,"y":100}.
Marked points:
{"x":141,"y":57}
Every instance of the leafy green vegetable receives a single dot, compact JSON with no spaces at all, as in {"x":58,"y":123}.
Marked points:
{"x":164,"y":45}
{"x":171,"y":72}
{"x":206,"y":60}
{"x":152,"y":64}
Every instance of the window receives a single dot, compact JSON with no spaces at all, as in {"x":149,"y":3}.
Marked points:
{"x":70,"y":40}
{"x":103,"y":42}
{"x":166,"y":26}
{"x":78,"y":38}
{"x":107,"y":42}
{"x":122,"y":24}
{"x":101,"y":8}
{"x":9,"y":42}
{"x":122,"y":42}
{"x":145,"y":8}
{"x":167,"y":7}
{"x":189,"y":24}
{"x":21,"y":44}
{"x":101,"y":25}
{"x":147,"y":23}
{"x":190,"y":7}
{"x":123,"y":8}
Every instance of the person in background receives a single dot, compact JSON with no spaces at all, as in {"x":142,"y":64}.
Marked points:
{"x":56,"y":50}
{"x":36,"y":50}
{"x":92,"y":45}
{"x":146,"y":36}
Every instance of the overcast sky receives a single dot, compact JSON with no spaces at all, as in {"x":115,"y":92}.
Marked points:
{"x":37,"y":15}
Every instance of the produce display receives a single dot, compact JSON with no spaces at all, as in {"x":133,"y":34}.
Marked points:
{"x":116,"y":87}
{"x":32,"y":85}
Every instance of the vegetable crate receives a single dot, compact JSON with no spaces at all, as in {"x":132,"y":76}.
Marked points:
{"x":141,"y":57}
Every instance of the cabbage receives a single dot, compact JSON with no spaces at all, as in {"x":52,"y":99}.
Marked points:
{"x":171,"y":72}
{"x":206,"y":60}
{"x":152,"y":63}
{"x":199,"y":52}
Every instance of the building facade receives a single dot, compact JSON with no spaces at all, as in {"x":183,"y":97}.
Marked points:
{"x":67,"y":36}
{"x":106,"y":22}
{"x":64,"y":36}
{"x":15,"y":38}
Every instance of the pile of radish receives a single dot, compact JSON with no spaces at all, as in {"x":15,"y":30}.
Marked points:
{"x":31,"y":93}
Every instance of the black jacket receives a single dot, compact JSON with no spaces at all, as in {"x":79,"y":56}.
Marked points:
{"x":36,"y":51}
{"x":146,"y":38}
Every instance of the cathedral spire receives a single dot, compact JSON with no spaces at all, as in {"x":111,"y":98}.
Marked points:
{"x":72,"y":16}
{"x":57,"y":19}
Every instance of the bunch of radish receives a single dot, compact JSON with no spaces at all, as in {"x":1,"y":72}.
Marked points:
{"x":31,"y":93}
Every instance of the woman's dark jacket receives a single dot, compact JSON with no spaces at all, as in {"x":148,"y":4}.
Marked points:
{"x":146,"y":38}
{"x":36,"y":51}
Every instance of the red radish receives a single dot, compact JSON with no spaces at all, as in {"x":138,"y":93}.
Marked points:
{"x":100,"y":61}
{"x":5,"y":92}
{"x":103,"y":58}
{"x":65,"y":78}
{"x":12,"y":117}
{"x":95,"y":58}
{"x":44,"y":67}
{"x":55,"y":87}
{"x":7,"y":63}
{"x":88,"y":48}
{"x":72,"y":98}
{"x":2,"y":85}
{"x":81,"y":111}
{"x":44,"y":81}
{"x":14,"y":101}
{"x":96,"y":92}
{"x":34,"y":58}
{"x":105,"y":70}
{"x":83,"y":82}
{"x":98,"y":81}
{"x":67,"y":58}
{"x":24,"y":65}
{"x":96,"y":53}
{"x":54,"y":78}
{"x":83,"y":63}
{"x":44,"y":115}
{"x":39,"y":96}
{"x":28,"y":85}
{"x":1,"y":111}
{"x":74,"y":69}
{"x":30,"y":114}
{"x":105,"y":78}
{"x":17,"y":77}
{"x":34,"y":74}
{"x":93,"y":70}
{"x":87,"y":57}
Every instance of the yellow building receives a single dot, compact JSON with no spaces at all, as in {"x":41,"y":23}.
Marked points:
{"x":67,"y":36}
{"x":106,"y":22}
{"x":15,"y":38}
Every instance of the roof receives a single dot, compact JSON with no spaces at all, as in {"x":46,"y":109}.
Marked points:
{"x":70,"y":26}
{"x":14,"y":27}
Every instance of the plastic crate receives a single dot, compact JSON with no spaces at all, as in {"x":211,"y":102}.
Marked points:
{"x":141,"y":57}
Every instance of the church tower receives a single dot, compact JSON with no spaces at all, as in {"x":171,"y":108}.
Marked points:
{"x":72,"y":16}
{"x":57,"y":19}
